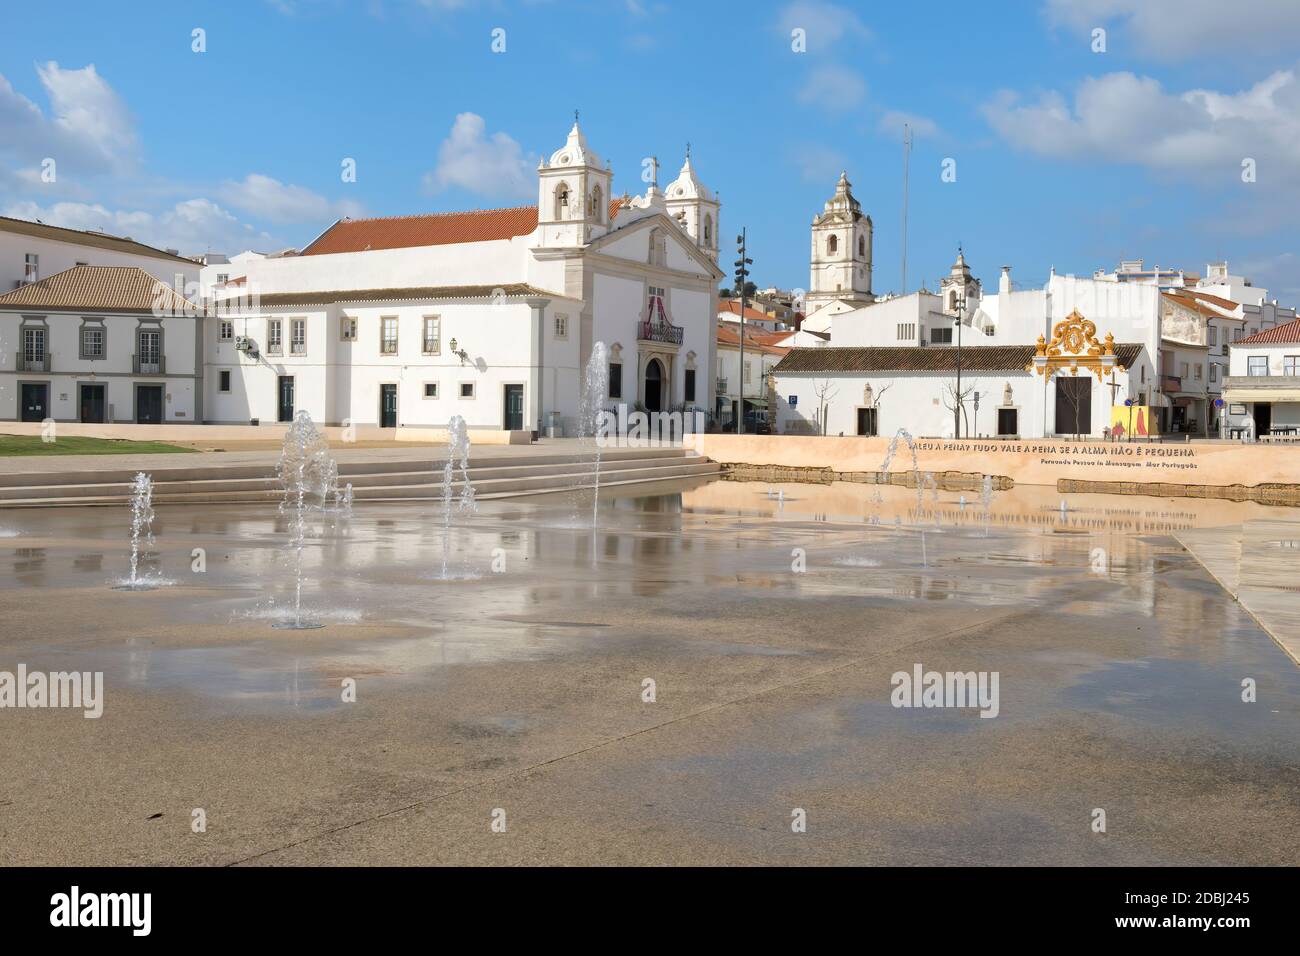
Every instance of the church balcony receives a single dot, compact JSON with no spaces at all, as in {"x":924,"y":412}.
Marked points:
{"x":659,"y":332}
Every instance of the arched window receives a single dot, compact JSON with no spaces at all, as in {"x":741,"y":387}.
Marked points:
{"x":862,"y":247}
{"x":562,"y":201}
{"x":708,"y":230}
{"x":952,"y":301}
{"x":596,"y":210}
{"x":832,"y":245}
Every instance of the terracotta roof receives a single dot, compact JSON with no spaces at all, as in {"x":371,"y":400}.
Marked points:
{"x":100,"y":289}
{"x":729,"y":335}
{"x":1278,"y":335}
{"x":511,"y":290}
{"x":733,"y":307}
{"x":1197,"y":302}
{"x":974,"y":358}
{"x":431,"y":229}
{"x":436,"y":229}
{"x":85,"y":237}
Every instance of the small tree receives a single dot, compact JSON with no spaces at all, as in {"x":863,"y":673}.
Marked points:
{"x":825,"y":390}
{"x":952,"y":401}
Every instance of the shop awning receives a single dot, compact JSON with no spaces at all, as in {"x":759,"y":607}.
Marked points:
{"x":1262,"y":395}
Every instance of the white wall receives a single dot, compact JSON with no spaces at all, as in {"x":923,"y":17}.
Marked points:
{"x":56,"y":256}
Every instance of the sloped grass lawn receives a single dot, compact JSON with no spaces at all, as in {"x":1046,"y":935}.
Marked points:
{"x":27,"y":445}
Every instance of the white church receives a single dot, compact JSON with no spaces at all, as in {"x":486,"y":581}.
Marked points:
{"x":490,"y":314}
{"x":958,"y":361}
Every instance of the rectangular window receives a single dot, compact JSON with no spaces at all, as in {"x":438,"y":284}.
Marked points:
{"x":906,"y":331}
{"x":748,"y":366}
{"x":430,"y":389}
{"x":1214,"y":371}
{"x":227,"y":330}
{"x":274,"y":337}
{"x":31,"y":267}
{"x":941,"y":337}
{"x":1291,"y":365}
{"x":348,"y":328}
{"x":615,"y":379}
{"x":1257,"y":365}
{"x":149,"y":352}
{"x":1214,"y":336}
{"x":33,"y":345}
{"x":466,"y":389}
{"x":298,"y":336}
{"x":388,"y":335}
{"x":561,"y":325}
{"x":1196,"y":371}
{"x":92,"y":343}
{"x":1254,"y":330}
{"x":1182,"y":373}
{"x":690,"y":385}
{"x":225,"y":381}
{"x":432,"y":335}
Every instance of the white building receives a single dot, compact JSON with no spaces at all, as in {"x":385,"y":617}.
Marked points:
{"x":105,"y":344}
{"x":1262,"y":392}
{"x":491,"y":315}
{"x":752,"y":378}
{"x":31,"y":251}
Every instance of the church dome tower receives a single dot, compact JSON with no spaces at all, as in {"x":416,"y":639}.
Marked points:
{"x":572,"y":194}
{"x":694,"y":207}
{"x":841,"y":252}
{"x":959,"y":287}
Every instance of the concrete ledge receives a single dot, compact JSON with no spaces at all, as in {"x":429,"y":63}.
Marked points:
{"x":1038,"y":462}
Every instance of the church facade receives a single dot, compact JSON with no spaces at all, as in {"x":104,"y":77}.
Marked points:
{"x":491,"y":315}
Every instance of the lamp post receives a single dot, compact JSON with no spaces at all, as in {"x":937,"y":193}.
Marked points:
{"x":742,"y":274}
{"x":957,"y":402}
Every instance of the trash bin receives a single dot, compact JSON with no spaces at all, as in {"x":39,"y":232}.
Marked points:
{"x":553,"y":427}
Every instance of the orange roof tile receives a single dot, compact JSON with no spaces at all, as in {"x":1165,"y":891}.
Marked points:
{"x":435,"y":229}
{"x":100,"y":289}
{"x":729,"y":334}
{"x":1278,"y":335}
{"x":432,"y":229}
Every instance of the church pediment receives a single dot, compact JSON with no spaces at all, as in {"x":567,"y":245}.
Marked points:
{"x":632,"y":242}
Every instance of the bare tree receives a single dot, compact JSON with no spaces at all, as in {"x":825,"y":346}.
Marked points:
{"x":825,"y":392}
{"x":952,"y":401}
{"x":1073,"y":403}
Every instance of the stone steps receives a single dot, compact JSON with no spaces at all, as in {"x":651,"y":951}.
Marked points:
{"x":371,"y":481}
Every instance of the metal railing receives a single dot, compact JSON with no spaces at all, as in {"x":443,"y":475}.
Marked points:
{"x":151,"y":365}
{"x":720,"y":386}
{"x":660,"y":332}
{"x":29,"y":364}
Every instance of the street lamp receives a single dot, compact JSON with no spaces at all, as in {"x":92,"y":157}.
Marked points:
{"x":742,"y":274}
{"x":957,"y":402}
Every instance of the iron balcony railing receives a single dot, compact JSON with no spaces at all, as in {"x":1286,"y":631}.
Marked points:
{"x":149,"y":365}
{"x":720,"y":386}
{"x":659,"y":332}
{"x":33,"y":363}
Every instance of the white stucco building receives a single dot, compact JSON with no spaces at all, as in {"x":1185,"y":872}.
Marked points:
{"x":1262,"y":392}
{"x":31,"y":251}
{"x":103,"y":344}
{"x":490,"y":314}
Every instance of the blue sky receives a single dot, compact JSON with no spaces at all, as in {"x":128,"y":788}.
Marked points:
{"x":1065,"y":157}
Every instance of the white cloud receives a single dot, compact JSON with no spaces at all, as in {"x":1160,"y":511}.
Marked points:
{"x":818,"y":163}
{"x":1181,"y":29}
{"x":833,"y":88}
{"x":824,"y":24}
{"x":892,"y":122}
{"x":274,"y":201}
{"x":487,"y":165}
{"x":193,"y":225}
{"x":89,"y":129}
{"x":1199,"y":134}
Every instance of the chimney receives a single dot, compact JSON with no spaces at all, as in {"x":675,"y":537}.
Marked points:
{"x":1004,"y":281}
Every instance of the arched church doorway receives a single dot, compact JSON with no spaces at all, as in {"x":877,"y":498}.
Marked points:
{"x":654,"y":386}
